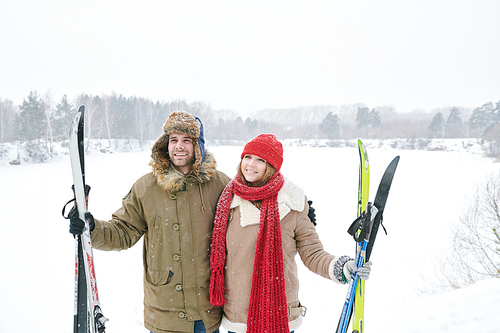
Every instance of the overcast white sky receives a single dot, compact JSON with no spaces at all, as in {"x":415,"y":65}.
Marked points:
{"x":249,"y":55}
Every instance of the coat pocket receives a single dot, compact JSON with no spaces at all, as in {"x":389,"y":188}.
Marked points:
{"x":159,"y":278}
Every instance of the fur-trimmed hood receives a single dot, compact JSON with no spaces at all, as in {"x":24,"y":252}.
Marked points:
{"x":185,"y":123}
{"x":204,"y":163}
{"x":171,"y":179}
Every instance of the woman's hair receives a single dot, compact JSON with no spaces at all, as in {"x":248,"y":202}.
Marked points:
{"x":270,"y":171}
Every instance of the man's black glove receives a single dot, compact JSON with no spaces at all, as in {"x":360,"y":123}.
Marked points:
{"x":76,"y":224}
{"x":311,"y":214}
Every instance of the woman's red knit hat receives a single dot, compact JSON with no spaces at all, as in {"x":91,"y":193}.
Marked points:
{"x":267,"y":147}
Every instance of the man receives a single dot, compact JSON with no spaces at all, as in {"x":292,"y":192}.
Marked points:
{"x":173,"y":207}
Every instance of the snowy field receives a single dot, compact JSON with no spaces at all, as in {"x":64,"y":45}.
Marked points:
{"x":429,"y":191}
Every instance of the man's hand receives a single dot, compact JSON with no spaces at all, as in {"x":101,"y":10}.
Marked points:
{"x":76,"y":225}
{"x":311,"y":214}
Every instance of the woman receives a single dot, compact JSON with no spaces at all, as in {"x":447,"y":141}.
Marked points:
{"x":260,"y":225}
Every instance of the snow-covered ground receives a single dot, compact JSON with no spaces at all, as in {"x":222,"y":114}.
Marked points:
{"x":429,"y":191}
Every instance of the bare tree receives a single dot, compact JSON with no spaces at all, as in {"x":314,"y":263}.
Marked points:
{"x":7,"y":118}
{"x":152,"y":115}
{"x":106,"y":107}
{"x":48,"y":105}
{"x":88,"y":102}
{"x":476,"y":242}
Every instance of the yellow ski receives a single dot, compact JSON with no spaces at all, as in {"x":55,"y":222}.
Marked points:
{"x":363,"y":192}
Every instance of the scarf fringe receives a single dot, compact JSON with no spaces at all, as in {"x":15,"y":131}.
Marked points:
{"x":217,"y":291}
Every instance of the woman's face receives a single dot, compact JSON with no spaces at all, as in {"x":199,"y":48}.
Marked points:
{"x":253,"y":168}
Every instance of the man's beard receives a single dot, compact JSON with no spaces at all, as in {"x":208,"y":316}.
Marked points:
{"x":189,"y":162}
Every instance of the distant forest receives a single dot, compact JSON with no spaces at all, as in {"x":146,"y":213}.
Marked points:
{"x":39,"y":122}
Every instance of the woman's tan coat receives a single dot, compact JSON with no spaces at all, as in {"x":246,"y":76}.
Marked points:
{"x":298,"y":236}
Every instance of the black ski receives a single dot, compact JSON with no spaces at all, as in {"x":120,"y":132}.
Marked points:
{"x":380,"y":201}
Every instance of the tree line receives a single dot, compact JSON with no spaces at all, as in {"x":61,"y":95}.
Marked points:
{"x":39,"y":122}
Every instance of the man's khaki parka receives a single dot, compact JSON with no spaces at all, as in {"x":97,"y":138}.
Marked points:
{"x":175,"y":214}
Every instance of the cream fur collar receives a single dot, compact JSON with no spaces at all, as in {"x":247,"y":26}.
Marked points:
{"x":290,"y":197}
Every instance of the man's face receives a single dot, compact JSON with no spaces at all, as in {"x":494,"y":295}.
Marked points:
{"x":181,"y":152}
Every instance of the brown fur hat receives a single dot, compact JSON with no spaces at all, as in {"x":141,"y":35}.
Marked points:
{"x":182,"y":122}
{"x":178,"y":122}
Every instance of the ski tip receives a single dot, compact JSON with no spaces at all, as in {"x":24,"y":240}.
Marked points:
{"x":393,"y":165}
{"x":81,"y":109}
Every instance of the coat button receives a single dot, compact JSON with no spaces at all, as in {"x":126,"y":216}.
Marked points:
{"x":178,"y":287}
{"x":176,"y":226}
{"x":182,"y":315}
{"x":177,"y":257}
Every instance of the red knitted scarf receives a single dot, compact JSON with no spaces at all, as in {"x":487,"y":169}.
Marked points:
{"x":268,"y":310}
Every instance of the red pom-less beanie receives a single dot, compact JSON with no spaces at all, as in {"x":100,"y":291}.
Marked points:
{"x":267,"y":147}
